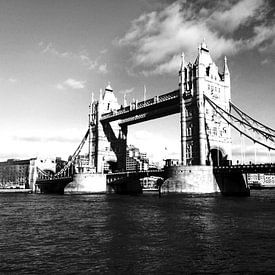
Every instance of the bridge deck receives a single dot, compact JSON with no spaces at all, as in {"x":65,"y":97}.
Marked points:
{"x":251,"y":168}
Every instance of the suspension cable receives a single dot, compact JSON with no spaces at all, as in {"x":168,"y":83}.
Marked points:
{"x":247,"y":118}
{"x":219,"y":110}
{"x":75,"y":154}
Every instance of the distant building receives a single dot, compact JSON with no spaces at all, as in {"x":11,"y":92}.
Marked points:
{"x":261,"y":179}
{"x":14,"y":174}
{"x":22,"y":174}
{"x":136,"y":160}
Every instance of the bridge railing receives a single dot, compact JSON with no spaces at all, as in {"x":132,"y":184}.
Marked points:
{"x":142,"y":104}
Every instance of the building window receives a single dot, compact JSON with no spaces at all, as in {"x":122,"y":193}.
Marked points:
{"x":189,"y":151}
{"x":189,"y":131}
{"x":214,"y":131}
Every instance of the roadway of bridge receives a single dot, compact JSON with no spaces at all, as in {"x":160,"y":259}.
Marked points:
{"x":250,"y":168}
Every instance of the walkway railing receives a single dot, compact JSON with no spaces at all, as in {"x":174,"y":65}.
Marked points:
{"x":143,"y":104}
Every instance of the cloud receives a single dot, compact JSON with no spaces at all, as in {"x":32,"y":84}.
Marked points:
{"x":157,"y":38}
{"x":22,"y":144}
{"x":237,"y":15}
{"x":12,"y":80}
{"x":264,"y":38}
{"x":103,"y":68}
{"x":71,"y":83}
{"x":127,"y":91}
{"x":103,"y":51}
{"x":82,"y":57}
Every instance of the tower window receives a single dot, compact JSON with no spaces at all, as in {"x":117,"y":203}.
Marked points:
{"x":214,"y":131}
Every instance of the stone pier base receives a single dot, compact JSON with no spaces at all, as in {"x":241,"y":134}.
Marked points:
{"x":190,"y":179}
{"x":86,"y":183}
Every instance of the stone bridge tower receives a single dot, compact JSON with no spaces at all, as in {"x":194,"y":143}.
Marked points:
{"x":107,"y":141}
{"x":205,"y":137}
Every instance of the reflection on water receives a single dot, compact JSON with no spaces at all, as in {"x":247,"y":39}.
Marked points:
{"x":137,"y":234}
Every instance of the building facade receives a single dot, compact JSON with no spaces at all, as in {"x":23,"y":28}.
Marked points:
{"x":22,"y":174}
{"x":136,"y":160}
{"x":14,"y":174}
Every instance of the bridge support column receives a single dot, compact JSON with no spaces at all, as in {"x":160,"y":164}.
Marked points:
{"x":202,"y":132}
{"x":121,"y":154}
{"x":182,"y":111}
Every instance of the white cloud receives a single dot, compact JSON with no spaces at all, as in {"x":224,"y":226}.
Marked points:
{"x":12,"y":80}
{"x":71,"y":83}
{"x":103,"y":51}
{"x":127,"y":91}
{"x":231,"y":19}
{"x":82,"y":57}
{"x":103,"y":68}
{"x":157,"y":38}
{"x":264,"y":38}
{"x":22,"y":144}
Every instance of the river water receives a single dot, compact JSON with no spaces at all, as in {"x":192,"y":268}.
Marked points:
{"x":120,"y":234}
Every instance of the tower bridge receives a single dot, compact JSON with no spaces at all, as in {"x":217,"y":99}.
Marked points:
{"x":109,"y":121}
{"x":207,"y":115}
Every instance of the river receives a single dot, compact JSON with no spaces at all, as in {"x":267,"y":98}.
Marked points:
{"x":121,"y":234}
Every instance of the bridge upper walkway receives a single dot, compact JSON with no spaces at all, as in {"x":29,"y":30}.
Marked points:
{"x":155,"y":107}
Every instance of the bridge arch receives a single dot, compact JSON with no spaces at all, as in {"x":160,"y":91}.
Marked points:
{"x":218,"y":156}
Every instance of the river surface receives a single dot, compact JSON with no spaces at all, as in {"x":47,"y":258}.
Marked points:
{"x":120,"y":234}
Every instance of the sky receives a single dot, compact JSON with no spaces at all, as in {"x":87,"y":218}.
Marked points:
{"x":55,"y":53}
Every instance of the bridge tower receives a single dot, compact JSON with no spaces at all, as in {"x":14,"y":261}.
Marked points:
{"x":205,"y":137}
{"x":107,"y":141}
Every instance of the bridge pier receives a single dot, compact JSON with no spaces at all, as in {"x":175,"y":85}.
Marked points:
{"x":190,"y":179}
{"x":233,"y":183}
{"x":201,"y":179}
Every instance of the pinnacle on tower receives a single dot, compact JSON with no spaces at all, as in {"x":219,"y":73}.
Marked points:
{"x":100,"y":94}
{"x":203,"y":46}
{"x":182,"y":62}
{"x":109,"y":88}
{"x":225,"y":67}
{"x":92,"y":97}
{"x":124,"y":101}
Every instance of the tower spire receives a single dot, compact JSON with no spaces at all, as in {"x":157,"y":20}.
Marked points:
{"x":225,"y":66}
{"x":182,"y":62}
{"x":92,"y":97}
